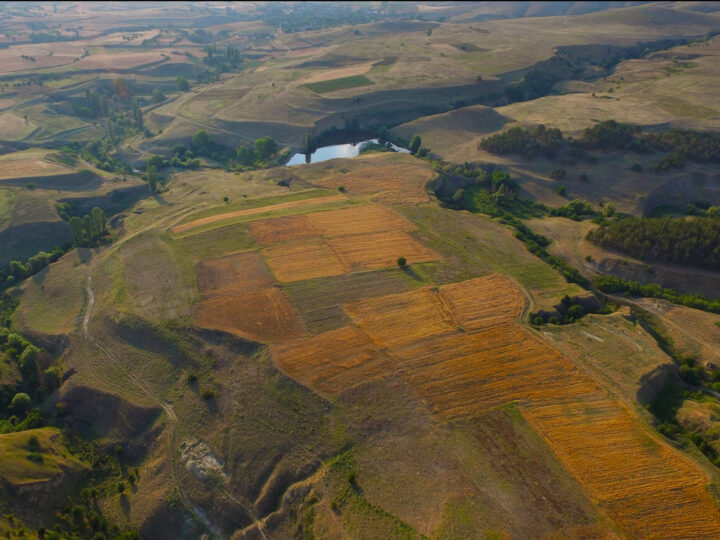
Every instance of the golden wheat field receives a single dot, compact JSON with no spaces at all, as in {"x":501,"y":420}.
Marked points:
{"x":379,"y":250}
{"x":651,"y":490}
{"x":303,"y":259}
{"x":358,"y":220}
{"x":483,"y":302}
{"x":332,"y":362}
{"x":402,"y":319}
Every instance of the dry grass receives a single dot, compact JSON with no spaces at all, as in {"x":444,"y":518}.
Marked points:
{"x":271,"y":231}
{"x":263,"y":315}
{"x":233,"y":274}
{"x":380,"y":250}
{"x":254,"y":211}
{"x":28,"y":168}
{"x":303,"y":259}
{"x":483,"y":302}
{"x":402,"y":319}
{"x":358,"y":220}
{"x":332,"y":362}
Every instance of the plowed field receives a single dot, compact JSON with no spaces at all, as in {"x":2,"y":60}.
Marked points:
{"x":303,"y":259}
{"x":483,"y":302}
{"x":263,"y":315}
{"x":402,"y":319}
{"x":380,"y":250}
{"x":332,"y":362}
{"x":272,"y":231}
{"x":358,"y":220}
{"x":233,"y":274}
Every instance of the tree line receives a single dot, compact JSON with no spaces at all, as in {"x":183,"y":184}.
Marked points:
{"x":692,"y":241}
{"x":529,"y":143}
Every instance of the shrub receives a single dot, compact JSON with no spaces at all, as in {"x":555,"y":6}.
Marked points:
{"x":20,"y":402}
{"x":401,"y":262}
{"x":208,"y":394}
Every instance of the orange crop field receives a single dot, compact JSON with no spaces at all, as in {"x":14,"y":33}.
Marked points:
{"x":263,"y":315}
{"x":461,"y":375}
{"x":483,"y":302}
{"x":303,"y":259}
{"x":358,"y":220}
{"x":402,"y":319}
{"x":631,"y":474}
{"x":271,"y":231}
{"x":332,"y":362}
{"x":255,"y":211}
{"x":233,"y":274}
{"x":380,"y":250}
{"x":394,"y":183}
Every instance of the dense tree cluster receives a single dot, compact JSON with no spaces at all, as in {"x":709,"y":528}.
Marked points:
{"x":683,"y":145}
{"x":694,"y":241}
{"x":529,"y":143}
{"x":612,"y":284}
{"x":90,"y":230}
{"x":577,"y":210}
{"x":609,"y":135}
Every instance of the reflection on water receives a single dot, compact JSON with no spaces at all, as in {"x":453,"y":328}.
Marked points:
{"x":336,"y":151}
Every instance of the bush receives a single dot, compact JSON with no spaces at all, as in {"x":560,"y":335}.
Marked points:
{"x":208,"y":394}
{"x":20,"y":402}
{"x":401,"y":262}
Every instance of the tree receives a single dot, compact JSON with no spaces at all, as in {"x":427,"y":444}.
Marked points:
{"x":76,"y":229}
{"x":201,"y":140}
{"x":401,"y":262}
{"x":152,"y":178}
{"x":415,"y":144}
{"x":244,"y":155}
{"x":28,"y":364}
{"x":310,"y":143}
{"x":158,"y":96}
{"x":98,"y":218}
{"x":608,"y":210}
{"x":38,"y":262}
{"x":182,"y":84}
{"x":89,"y":228}
{"x":137,"y":115}
{"x":265,"y":148}
{"x":18,"y":270}
{"x":20,"y":402}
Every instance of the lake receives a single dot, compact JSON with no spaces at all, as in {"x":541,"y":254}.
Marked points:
{"x":337,"y":151}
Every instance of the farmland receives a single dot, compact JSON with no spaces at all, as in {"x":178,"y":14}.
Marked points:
{"x":200,"y":340}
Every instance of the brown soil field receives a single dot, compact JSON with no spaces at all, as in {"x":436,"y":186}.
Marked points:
{"x":380,"y":250}
{"x":402,"y":319}
{"x":483,"y":302}
{"x":332,"y":362}
{"x":253,"y":211}
{"x":233,"y":274}
{"x":328,"y":75}
{"x":303,"y":259}
{"x":392,"y":183}
{"x":271,"y":231}
{"x":358,"y":220}
{"x":263,"y":315}
{"x":460,"y":375}
{"x":649,"y":489}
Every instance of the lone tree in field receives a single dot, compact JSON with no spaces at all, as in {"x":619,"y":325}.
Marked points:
{"x":415,"y":144}
{"x":402,"y":262}
{"x":182,"y":84}
{"x":152,"y":178}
